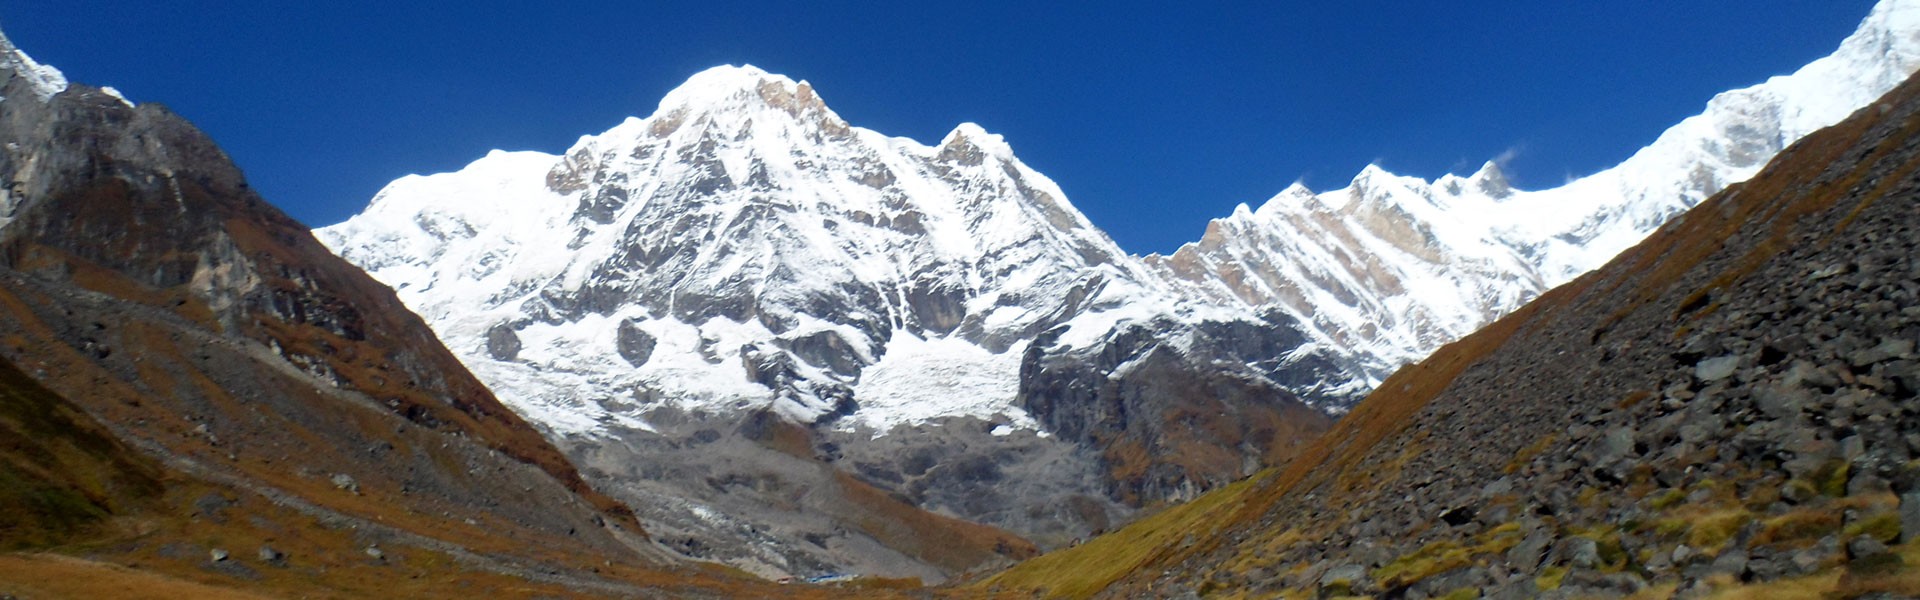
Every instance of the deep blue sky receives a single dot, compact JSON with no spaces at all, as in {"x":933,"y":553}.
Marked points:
{"x":1153,"y":117}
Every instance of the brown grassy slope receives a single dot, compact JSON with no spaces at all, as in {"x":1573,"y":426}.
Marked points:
{"x":55,"y":576}
{"x":164,"y":549}
{"x":231,"y":411}
{"x":1660,"y":285}
{"x":60,"y":472}
{"x":148,"y":283}
{"x":939,"y":540}
{"x":121,"y":525}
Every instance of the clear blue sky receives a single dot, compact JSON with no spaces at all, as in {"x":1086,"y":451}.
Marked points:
{"x":1153,"y":117}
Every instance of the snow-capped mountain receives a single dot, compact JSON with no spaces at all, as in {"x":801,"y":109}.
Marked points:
{"x":1397,"y":266}
{"x":44,"y":81}
{"x":744,"y":246}
{"x":1390,"y":266}
{"x":744,"y":251}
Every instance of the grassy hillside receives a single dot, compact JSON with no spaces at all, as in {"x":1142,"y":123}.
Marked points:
{"x":61,"y":473}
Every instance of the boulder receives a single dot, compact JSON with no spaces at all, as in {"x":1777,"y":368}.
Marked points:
{"x":1716,"y":368}
{"x":1910,"y":516}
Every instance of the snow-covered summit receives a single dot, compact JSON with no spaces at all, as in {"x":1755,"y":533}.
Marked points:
{"x":743,"y":92}
{"x":45,"y":81}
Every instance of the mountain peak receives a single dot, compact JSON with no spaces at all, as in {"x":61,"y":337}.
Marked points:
{"x":969,"y":140}
{"x":1372,"y":181}
{"x":1372,"y":168}
{"x":723,"y":82}
{"x":1296,"y":196}
{"x":746,"y":88}
{"x":1492,"y":181}
{"x":45,"y":81}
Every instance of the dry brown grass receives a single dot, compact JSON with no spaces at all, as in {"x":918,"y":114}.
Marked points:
{"x":1901,"y":580}
{"x":54,"y":576}
{"x":1085,"y":570}
{"x":937,"y":539}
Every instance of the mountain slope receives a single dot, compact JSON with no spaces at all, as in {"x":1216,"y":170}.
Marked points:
{"x":60,"y":472}
{"x":1396,"y":266}
{"x":1727,"y":405}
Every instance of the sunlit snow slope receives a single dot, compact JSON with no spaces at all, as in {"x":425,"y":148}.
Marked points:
{"x":1394,"y":266}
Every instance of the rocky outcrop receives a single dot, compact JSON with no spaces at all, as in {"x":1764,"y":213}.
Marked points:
{"x":1174,"y":410}
{"x":776,"y":498}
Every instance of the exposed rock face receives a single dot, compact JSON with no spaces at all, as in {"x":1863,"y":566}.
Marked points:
{"x":744,"y":253}
{"x":772,"y":497}
{"x":634,"y":344}
{"x":142,"y":279}
{"x":1733,"y":400}
{"x":1169,"y":406}
{"x":502,"y":342}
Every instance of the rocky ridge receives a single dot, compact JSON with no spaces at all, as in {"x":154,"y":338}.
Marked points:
{"x":1395,"y":266}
